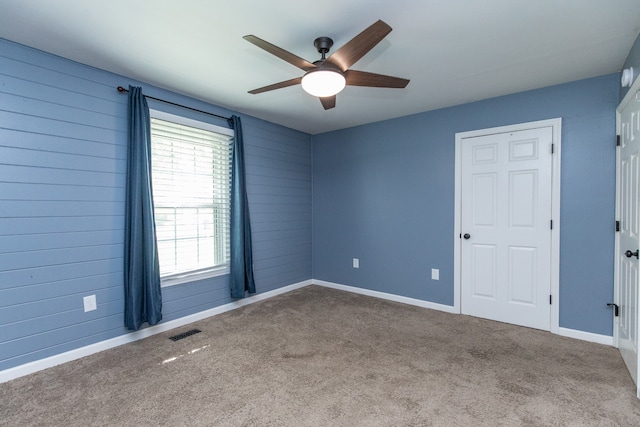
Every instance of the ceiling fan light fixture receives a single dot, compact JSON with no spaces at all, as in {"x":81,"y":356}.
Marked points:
{"x":323,"y":83}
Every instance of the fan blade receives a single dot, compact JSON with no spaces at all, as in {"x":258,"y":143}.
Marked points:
{"x":280,"y":85}
{"x":358,"y":46}
{"x":363,"y":78}
{"x":292,"y":59}
{"x":328,"y":102}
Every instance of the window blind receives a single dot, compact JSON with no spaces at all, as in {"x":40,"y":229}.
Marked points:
{"x":191,"y":190}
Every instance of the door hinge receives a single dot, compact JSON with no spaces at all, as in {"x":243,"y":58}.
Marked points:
{"x":617,"y":225}
{"x":616,"y":309}
{"x":551,"y":224}
{"x":617,"y":140}
{"x":552,"y":147}
{"x":550,"y":299}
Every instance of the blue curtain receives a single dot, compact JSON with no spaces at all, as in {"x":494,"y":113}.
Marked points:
{"x":143,"y":298}
{"x":241,"y":253}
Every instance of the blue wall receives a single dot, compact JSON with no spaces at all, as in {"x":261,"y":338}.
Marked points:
{"x":62,"y":172}
{"x":384,"y":193}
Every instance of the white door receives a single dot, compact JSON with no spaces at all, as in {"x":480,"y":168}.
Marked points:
{"x":506,"y":212}
{"x":627,"y":296}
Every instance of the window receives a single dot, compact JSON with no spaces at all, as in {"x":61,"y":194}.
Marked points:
{"x":191,"y":167}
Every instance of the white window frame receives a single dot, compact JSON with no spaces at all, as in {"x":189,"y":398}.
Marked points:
{"x":194,"y":275}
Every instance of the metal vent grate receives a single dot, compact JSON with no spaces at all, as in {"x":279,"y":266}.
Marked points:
{"x":185,"y":334}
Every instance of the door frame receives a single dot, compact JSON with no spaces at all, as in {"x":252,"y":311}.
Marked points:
{"x":556,"y":126}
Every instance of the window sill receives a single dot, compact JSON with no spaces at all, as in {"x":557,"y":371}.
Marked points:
{"x":166,"y":282}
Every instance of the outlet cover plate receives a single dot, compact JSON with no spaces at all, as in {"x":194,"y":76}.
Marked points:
{"x":90,"y":303}
{"x":435,"y":274}
{"x":356,"y":263}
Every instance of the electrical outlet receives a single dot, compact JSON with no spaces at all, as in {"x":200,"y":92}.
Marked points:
{"x":435,"y":274}
{"x":356,"y":263}
{"x":90,"y":303}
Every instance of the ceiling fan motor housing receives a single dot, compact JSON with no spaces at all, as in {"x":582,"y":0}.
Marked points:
{"x":323,"y":44}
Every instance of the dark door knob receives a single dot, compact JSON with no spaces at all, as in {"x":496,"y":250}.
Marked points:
{"x":467,"y":236}
{"x":629,"y":254}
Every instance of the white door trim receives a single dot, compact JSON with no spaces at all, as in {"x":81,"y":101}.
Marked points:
{"x":556,"y":125}
{"x":616,"y":250}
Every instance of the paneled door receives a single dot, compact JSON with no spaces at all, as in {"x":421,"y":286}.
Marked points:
{"x":627,"y":278}
{"x":506,"y":212}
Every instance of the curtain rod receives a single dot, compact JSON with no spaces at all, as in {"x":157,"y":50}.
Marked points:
{"x":123,"y":90}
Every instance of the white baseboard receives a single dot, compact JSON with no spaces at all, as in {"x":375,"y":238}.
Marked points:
{"x":586,"y":336}
{"x":390,"y":297}
{"x":570,"y":333}
{"x":48,"y":362}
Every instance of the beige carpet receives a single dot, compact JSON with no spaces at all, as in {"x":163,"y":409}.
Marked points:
{"x":321,"y":357}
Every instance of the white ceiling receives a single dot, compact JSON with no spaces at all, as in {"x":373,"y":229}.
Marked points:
{"x":453,"y":51}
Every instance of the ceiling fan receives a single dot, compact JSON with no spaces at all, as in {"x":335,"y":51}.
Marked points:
{"x":329,"y":75}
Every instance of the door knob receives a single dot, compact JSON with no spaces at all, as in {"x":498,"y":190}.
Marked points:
{"x":629,"y":254}
{"x":467,"y":236}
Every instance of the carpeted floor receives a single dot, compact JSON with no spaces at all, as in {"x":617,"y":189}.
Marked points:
{"x":322,"y":357}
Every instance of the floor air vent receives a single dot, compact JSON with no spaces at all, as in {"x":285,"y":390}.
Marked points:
{"x":185,"y":335}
